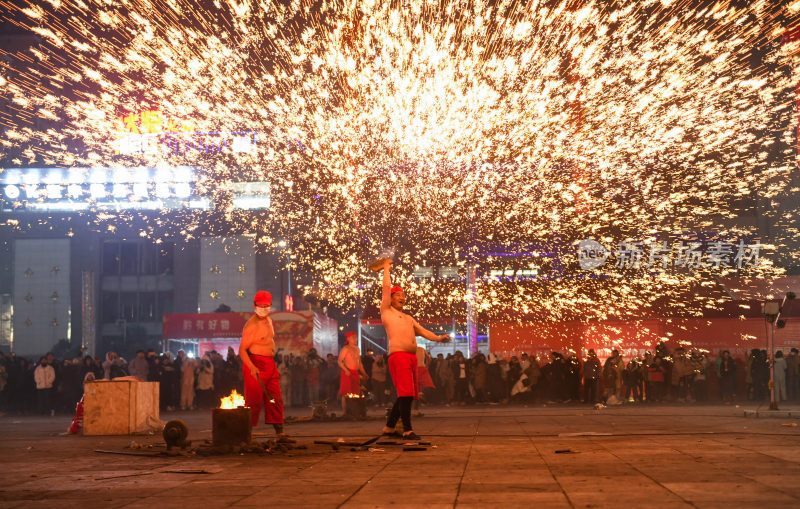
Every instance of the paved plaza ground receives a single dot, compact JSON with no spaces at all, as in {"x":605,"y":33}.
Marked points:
{"x":489,"y":456}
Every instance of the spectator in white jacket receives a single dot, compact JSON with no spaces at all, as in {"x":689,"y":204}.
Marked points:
{"x":205,"y":383}
{"x":780,"y":376}
{"x":44,"y":375}
{"x":139,"y":367}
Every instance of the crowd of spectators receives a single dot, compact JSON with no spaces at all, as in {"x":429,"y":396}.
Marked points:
{"x":680,"y":376}
{"x":52,"y":386}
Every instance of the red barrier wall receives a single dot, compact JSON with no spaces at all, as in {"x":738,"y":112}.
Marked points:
{"x":636,"y":337}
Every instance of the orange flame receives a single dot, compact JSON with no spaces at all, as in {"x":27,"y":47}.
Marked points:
{"x":351,"y":395}
{"x":235,"y":400}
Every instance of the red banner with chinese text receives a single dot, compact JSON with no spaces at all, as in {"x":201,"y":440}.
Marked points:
{"x":295,"y":332}
{"x":204,"y":325}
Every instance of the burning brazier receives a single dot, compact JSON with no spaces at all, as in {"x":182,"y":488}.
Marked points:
{"x":355,"y":406}
{"x":230,"y":424}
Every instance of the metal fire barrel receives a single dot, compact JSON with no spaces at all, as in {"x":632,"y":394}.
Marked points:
{"x":356,"y":407}
{"x":231,"y":426}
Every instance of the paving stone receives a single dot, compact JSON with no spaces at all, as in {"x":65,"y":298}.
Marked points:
{"x":496,"y":485}
{"x":600,"y":503}
{"x":622,"y":496}
{"x":421,"y":494}
{"x":75,"y":504}
{"x":733,"y":492}
{"x":169,"y":501}
{"x":739,"y":504}
{"x":510,"y":498}
{"x":289,"y":498}
{"x":195,"y":489}
{"x":394,"y":505}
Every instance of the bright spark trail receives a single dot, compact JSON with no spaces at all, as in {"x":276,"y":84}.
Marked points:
{"x":436,"y":123}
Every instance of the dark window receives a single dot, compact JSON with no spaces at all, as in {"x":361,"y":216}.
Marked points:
{"x":110,"y":305}
{"x":111,"y":259}
{"x":149,"y":257}
{"x":129,"y":258}
{"x":165,"y":258}
{"x":129,"y":306}
{"x":147,"y":307}
{"x":164,"y":303}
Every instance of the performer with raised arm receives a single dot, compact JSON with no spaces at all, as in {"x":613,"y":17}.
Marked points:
{"x":261,"y":377}
{"x":402,"y":332}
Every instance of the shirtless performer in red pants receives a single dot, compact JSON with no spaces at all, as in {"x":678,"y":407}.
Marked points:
{"x":351,"y":369}
{"x":402,"y":332}
{"x":257,"y":351}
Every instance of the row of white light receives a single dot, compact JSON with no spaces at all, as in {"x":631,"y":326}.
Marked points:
{"x":511,"y":272}
{"x":251,"y":202}
{"x":99,"y":191}
{"x":120,"y":175}
{"x":67,"y":206}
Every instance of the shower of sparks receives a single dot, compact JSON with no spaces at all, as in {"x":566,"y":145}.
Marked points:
{"x":433,"y":125}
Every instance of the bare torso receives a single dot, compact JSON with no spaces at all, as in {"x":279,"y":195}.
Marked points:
{"x":258,"y":337}
{"x":399,"y":330}
{"x":349,"y":356}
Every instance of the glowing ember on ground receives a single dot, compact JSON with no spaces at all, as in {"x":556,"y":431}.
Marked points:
{"x":234,"y":400}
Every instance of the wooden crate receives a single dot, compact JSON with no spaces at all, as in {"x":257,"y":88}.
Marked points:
{"x":119,"y":407}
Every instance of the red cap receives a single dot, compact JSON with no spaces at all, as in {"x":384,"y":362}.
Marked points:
{"x":395,"y":289}
{"x":262,"y":299}
{"x":349,"y":334}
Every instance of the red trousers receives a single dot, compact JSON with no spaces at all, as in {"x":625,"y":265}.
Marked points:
{"x":254,"y":395}
{"x":403,"y":367}
{"x":349,"y":383}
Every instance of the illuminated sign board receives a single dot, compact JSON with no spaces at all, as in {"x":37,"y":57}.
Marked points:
{"x":513,"y":274}
{"x":151,"y":122}
{"x":75,"y":189}
{"x":251,"y":195}
{"x":152,"y":132}
{"x":120,"y":188}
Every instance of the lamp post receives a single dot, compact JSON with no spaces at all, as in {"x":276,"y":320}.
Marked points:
{"x":288,"y":301}
{"x":772,"y":312}
{"x":472,"y":314}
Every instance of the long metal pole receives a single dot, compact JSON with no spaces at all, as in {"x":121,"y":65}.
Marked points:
{"x":358,"y":326}
{"x":772,"y":404}
{"x":289,"y":270}
{"x":472,"y":315}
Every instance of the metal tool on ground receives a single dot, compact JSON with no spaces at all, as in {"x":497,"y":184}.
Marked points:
{"x":371,"y":440}
{"x":130,"y":453}
{"x":407,"y":445}
{"x":175,"y":433}
{"x":404,"y":442}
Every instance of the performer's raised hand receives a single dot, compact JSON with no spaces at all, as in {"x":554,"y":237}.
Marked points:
{"x":444,"y":338}
{"x":380,"y":264}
